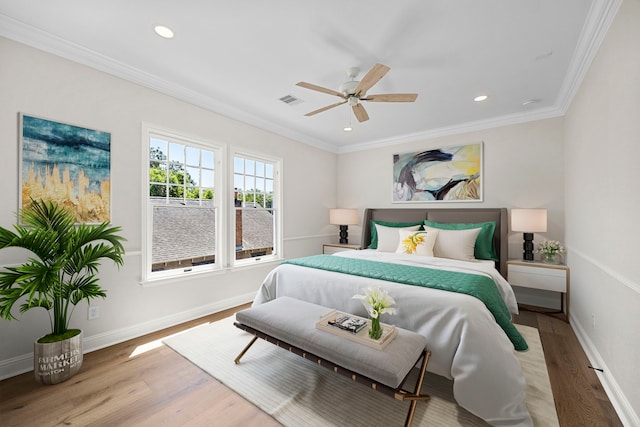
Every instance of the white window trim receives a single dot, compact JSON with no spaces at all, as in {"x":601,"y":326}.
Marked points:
{"x":277,"y":196}
{"x":221,"y":194}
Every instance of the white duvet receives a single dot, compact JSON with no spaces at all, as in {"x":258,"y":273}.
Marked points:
{"x":466,"y":343}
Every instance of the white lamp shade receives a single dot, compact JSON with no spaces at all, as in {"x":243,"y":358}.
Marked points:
{"x":529,"y":220}
{"x":343,"y":216}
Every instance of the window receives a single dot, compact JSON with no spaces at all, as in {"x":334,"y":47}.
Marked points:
{"x":182,"y":208}
{"x":199,"y":220}
{"x":256,"y":212}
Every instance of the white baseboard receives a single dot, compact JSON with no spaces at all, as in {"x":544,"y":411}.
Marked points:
{"x":24,"y":363}
{"x":619,"y":401}
{"x":16,"y":366}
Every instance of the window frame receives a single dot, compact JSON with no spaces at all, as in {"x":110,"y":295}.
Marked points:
{"x":223,"y":203}
{"x":277,"y":253}
{"x":220,"y":194}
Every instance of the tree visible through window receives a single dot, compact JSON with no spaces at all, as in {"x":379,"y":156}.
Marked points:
{"x":207,"y":210}
{"x":181,"y":192}
{"x":255,"y":210}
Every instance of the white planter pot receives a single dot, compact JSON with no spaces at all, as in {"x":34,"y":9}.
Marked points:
{"x":57,"y":361}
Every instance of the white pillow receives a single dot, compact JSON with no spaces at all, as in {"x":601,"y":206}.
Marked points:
{"x":388,"y":237}
{"x":424,"y":246}
{"x":455,"y":244}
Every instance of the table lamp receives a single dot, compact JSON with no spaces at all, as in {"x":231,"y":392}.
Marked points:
{"x":343,"y":218}
{"x":528,"y":221}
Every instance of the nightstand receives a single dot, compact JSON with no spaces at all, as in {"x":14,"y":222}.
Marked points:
{"x":547,"y":277}
{"x":329,"y":249}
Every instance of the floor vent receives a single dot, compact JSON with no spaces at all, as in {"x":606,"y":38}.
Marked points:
{"x":291,"y":100}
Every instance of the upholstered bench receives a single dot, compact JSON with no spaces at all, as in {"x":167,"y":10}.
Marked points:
{"x":291,"y":324}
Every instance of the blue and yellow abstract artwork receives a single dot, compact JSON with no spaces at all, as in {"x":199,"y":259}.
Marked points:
{"x":66,"y":164}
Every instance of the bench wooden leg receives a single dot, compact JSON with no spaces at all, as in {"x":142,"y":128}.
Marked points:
{"x":416,"y":392}
{"x":244,"y":350}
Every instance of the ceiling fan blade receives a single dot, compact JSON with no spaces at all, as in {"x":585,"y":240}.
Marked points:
{"x":391,"y":97}
{"x":320,"y":110}
{"x":372,"y":77}
{"x":360,"y":112}
{"x":320,"y":89}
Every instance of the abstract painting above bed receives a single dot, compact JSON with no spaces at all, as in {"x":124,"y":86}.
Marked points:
{"x":450,"y":174}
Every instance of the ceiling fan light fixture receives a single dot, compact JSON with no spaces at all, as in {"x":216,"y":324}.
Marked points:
{"x":353,"y":92}
{"x":481,"y":98}
{"x":348,"y":88}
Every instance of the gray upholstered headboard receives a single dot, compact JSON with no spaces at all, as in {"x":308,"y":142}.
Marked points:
{"x":461,"y":215}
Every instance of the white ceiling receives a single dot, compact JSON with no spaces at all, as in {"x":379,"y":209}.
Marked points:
{"x":239,"y":57}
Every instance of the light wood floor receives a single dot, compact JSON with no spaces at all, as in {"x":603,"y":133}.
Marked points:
{"x":158,"y":387}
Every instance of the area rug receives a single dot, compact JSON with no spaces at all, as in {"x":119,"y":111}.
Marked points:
{"x":297,"y":393}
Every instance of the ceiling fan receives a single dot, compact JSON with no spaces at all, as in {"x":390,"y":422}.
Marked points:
{"x":353,"y":92}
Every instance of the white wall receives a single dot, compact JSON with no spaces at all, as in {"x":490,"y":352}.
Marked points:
{"x":523,"y":168}
{"x":44,"y":85}
{"x":602,"y":143}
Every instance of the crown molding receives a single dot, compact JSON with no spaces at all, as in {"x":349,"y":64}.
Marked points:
{"x":494,"y":122}
{"x":42,"y":40}
{"x":598,"y":21}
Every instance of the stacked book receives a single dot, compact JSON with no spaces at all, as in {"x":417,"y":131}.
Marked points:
{"x":348,"y":323}
{"x":355,"y":328}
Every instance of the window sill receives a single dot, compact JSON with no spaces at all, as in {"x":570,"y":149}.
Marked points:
{"x":256,"y":264}
{"x":169,"y":280}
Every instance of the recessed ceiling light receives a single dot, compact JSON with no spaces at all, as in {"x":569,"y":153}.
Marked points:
{"x":163,"y":31}
{"x":529,"y":102}
{"x":347,"y":129}
{"x":480,"y":98}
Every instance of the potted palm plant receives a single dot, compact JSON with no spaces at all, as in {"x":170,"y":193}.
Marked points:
{"x":62,"y":272}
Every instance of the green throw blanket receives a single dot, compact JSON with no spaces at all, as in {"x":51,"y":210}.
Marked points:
{"x":479,"y":286}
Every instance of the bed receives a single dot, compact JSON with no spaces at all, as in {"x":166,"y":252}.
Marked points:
{"x":466,"y":342}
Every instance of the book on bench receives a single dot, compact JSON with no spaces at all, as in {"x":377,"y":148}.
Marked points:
{"x":348,"y":323}
{"x":355,"y":328}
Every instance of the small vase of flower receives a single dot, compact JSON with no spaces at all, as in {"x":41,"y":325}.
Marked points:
{"x":376,"y":331}
{"x":551,"y":251}
{"x":377,"y":301}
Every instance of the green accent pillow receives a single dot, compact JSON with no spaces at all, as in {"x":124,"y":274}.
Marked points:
{"x":374,"y":231}
{"x":484,"y":248}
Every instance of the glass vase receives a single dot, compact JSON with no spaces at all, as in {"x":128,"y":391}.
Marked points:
{"x":551,"y":258}
{"x":376,"y":331}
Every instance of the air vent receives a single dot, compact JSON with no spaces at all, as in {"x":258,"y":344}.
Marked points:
{"x":291,"y":100}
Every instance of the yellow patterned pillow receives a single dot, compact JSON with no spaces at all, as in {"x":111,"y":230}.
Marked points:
{"x":417,"y":242}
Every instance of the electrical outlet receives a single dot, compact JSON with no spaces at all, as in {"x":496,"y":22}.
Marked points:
{"x":593,"y":320}
{"x":94,"y":312}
